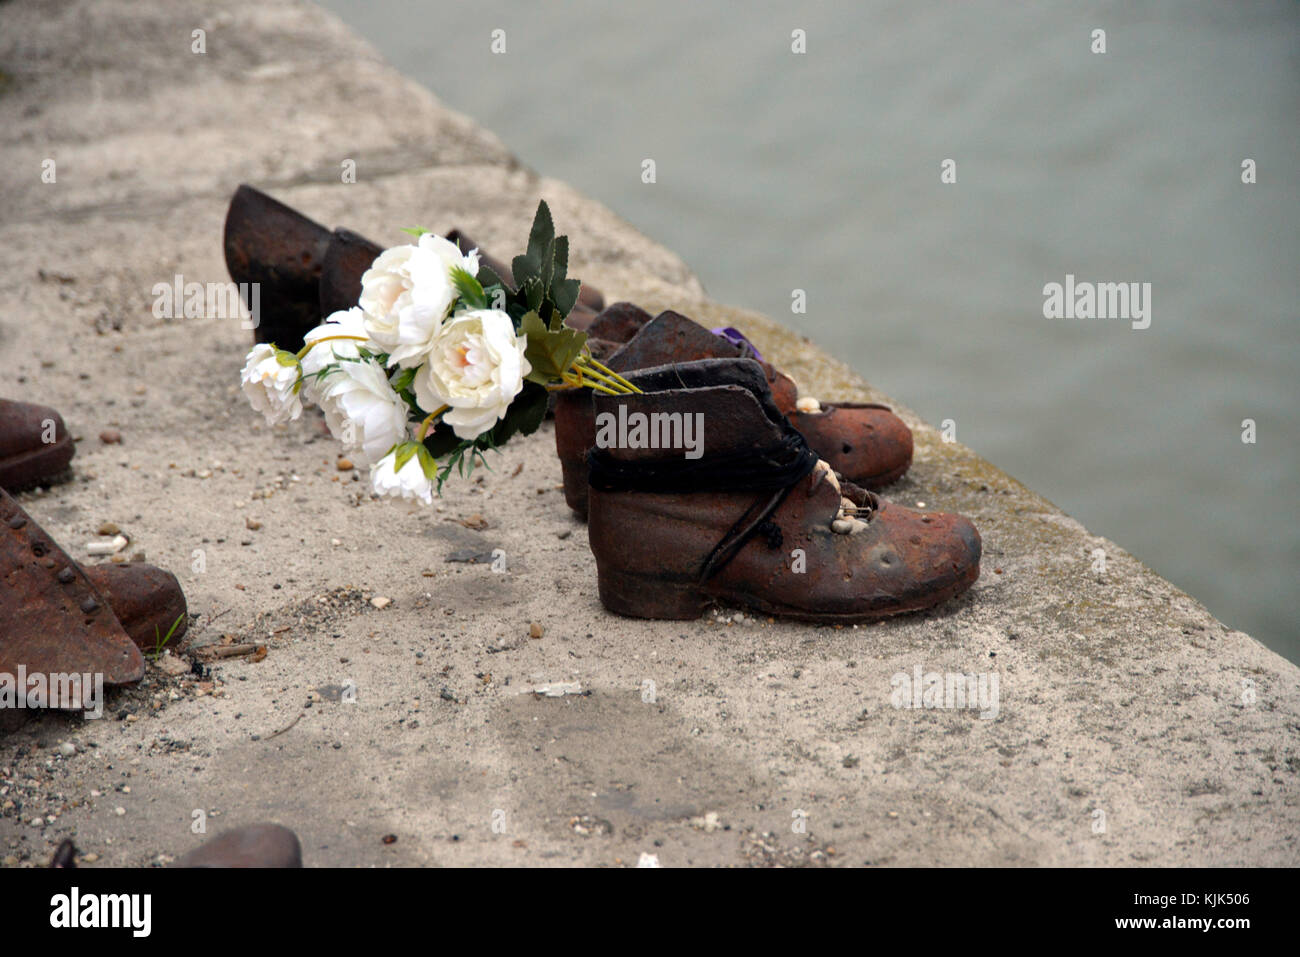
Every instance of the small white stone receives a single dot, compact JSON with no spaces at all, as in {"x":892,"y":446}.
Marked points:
{"x":67,"y":749}
{"x":379,"y":601}
{"x":119,"y":811}
{"x":808,"y":404}
{"x":841,"y":526}
{"x":648,"y":860}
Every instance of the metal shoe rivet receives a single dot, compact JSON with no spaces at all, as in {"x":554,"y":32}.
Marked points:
{"x":66,"y":575}
{"x":17,"y":521}
{"x":89,"y":605}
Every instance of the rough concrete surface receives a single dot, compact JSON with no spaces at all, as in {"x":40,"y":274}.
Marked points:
{"x":1119,"y":694}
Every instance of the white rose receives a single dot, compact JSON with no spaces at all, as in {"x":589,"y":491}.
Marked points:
{"x":477,"y":367}
{"x":406,"y":472}
{"x":270,"y":380}
{"x":407,"y":293}
{"x":363,"y":410}
{"x":345,"y":322}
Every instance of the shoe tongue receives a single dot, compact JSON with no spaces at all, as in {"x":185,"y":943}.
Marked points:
{"x":54,"y":622}
{"x":671,"y":337}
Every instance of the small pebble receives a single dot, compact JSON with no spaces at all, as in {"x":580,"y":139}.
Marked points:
{"x":252,"y":524}
{"x":379,"y":601}
{"x":119,"y":811}
{"x":67,"y":749}
{"x":345,"y":465}
{"x":108,"y":528}
{"x":535,"y":630}
{"x":110,"y":437}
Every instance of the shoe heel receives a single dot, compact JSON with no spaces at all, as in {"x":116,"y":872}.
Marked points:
{"x":636,"y":596}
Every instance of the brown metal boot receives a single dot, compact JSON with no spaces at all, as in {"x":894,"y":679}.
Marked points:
{"x":866,"y":443}
{"x":757,"y":520}
{"x":306,"y":271}
{"x":53,"y":621}
{"x":35,"y":447}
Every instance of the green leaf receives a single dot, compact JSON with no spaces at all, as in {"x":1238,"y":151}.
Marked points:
{"x":402,"y":380}
{"x":564,"y":293}
{"x":560,"y":259}
{"x":471,"y":292}
{"x":487,"y":278}
{"x":550,"y":352}
{"x":524,"y":268}
{"x":404,"y":452}
{"x":534,"y":293}
{"x":541,"y":235}
{"x":548,"y":265}
{"x":416,"y":231}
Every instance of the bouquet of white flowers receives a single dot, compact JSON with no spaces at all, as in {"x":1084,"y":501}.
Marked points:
{"x":439,"y":361}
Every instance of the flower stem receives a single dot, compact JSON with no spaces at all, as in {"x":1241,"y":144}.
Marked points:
{"x":424,"y":426}
{"x":302,"y":353}
{"x":612,"y":380}
{"x":596,"y":366}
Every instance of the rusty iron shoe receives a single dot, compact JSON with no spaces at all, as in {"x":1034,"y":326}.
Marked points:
{"x":256,"y":845}
{"x":866,"y":443}
{"x":35,"y":447}
{"x":757,"y":520}
{"x":60,"y":617}
{"x":306,"y":271}
{"x":53,"y":620}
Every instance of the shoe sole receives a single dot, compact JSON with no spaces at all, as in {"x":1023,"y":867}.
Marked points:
{"x":634,"y":596}
{"x":47,"y":465}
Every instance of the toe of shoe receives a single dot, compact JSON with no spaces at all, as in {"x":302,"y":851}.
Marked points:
{"x":869,"y":445}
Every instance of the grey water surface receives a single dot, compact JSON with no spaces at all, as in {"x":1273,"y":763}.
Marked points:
{"x":820,"y":171}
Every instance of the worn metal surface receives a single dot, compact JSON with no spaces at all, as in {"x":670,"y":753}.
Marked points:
{"x":283,"y":251}
{"x":347,"y":258}
{"x":146,"y":599}
{"x":52,"y":619}
{"x":864,"y":441}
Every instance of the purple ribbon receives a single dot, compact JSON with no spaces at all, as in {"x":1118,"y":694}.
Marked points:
{"x":737,"y":338}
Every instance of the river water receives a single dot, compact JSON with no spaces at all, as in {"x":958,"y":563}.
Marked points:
{"x":822,"y":171}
